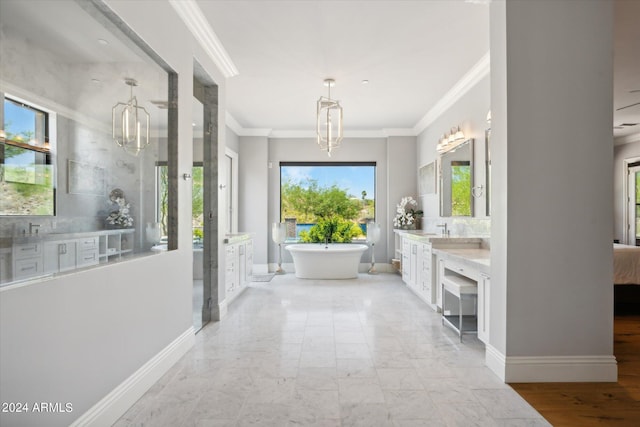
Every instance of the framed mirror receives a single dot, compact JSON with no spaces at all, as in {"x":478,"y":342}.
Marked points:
{"x":487,"y":139}
{"x":456,"y":181}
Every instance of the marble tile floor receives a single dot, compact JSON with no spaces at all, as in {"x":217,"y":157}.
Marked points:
{"x":361,"y":352}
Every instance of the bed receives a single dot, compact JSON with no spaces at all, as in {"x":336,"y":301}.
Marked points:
{"x":626,"y":278}
{"x":626,"y":264}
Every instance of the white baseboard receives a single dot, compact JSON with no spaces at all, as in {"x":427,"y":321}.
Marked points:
{"x":362,"y":267}
{"x":108,"y":410}
{"x":525,"y":369}
{"x":223,"y":309}
{"x":495,"y":361}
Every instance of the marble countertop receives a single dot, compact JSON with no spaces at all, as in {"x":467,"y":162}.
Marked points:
{"x":479,"y":259}
{"x":438,"y":239}
{"x":34,"y":238}
{"x":236,"y":237}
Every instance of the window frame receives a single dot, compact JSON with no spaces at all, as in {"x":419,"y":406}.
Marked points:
{"x":47,"y":149}
{"x":331,"y":164}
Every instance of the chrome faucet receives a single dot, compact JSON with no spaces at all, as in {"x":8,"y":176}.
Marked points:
{"x":445,"y":232}
{"x":33,"y":226}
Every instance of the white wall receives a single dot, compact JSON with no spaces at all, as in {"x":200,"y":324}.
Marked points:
{"x":233,"y":141}
{"x":622,"y":153}
{"x":470,"y":113}
{"x":76,"y":337}
{"x":352,"y":149}
{"x":253,"y":200}
{"x":401,"y":182}
{"x":551,"y":224}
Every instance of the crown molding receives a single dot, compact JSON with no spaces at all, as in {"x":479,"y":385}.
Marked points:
{"x":627,"y":139}
{"x":399,"y":132}
{"x":232,"y":124}
{"x":469,"y":80}
{"x":194,"y":19}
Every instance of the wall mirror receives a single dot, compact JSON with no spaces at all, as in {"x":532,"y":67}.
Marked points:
{"x":456,"y":181}
{"x":487,"y":138}
{"x":75,"y":187}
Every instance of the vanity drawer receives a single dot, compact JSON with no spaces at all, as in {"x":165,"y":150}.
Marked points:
{"x":88,"y":243}
{"x":461,"y":269}
{"x":23,"y":268}
{"x":26,"y":250}
{"x":88,"y":257}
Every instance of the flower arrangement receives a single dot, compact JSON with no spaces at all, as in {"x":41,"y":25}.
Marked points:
{"x":121,"y":217}
{"x":406,"y":215}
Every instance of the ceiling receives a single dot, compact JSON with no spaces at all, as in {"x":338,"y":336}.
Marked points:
{"x":411,"y":53}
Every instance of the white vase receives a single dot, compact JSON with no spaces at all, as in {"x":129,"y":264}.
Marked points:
{"x":152,"y":232}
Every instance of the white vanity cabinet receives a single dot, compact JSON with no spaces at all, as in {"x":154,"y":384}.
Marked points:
{"x":88,"y":251}
{"x":27,"y":260}
{"x":230,"y":276}
{"x":406,"y":261}
{"x":33,"y":256}
{"x":421,"y":266}
{"x":484,"y":297}
{"x":60,"y":256}
{"x":114,"y":244}
{"x":238,"y":266}
{"x":416,"y":272}
{"x":461,"y":269}
{"x":425,"y":262}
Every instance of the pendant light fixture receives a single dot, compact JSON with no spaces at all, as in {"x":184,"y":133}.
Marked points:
{"x":329,"y":121}
{"x":130,"y":123}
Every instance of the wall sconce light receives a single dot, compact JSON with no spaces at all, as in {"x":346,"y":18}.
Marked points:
{"x":452,"y":136}
{"x":130,"y":123}
{"x":459,"y":135}
{"x":451,"y":141}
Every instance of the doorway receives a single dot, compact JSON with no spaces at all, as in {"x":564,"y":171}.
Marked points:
{"x":205,"y":189}
{"x":633,"y":208}
{"x":231,"y":194}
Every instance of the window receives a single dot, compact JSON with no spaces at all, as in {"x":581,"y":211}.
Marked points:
{"x":26,"y":167}
{"x":197,"y":200}
{"x":332,"y":200}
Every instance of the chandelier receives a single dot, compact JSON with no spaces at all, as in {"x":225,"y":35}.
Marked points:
{"x":329,"y":121}
{"x":130,"y":123}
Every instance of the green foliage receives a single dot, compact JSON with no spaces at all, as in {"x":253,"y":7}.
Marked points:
{"x":308,"y":202}
{"x":164,"y":200}
{"x":197,"y":195}
{"x":197,"y":199}
{"x":333,"y":228}
{"x":461,"y":190}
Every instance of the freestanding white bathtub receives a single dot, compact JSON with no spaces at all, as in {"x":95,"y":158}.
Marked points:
{"x":320,"y":261}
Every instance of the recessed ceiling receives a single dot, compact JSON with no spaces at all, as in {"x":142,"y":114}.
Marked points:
{"x":411,"y":52}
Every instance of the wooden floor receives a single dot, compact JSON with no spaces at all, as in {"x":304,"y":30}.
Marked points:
{"x":596,"y":404}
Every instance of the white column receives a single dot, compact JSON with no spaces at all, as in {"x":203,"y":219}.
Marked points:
{"x":552,"y":149}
